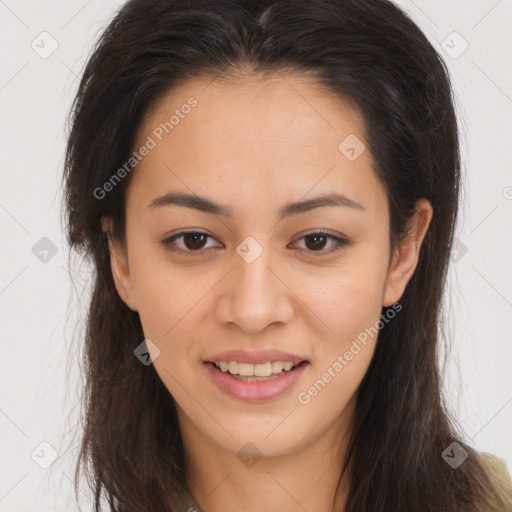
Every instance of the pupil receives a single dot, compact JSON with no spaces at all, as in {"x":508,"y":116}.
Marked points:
{"x":316,"y":237}
{"x":193,"y":237}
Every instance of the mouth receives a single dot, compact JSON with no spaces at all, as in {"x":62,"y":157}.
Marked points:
{"x":259,"y":372}
{"x":256,"y":381}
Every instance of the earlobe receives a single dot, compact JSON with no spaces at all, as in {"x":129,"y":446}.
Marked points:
{"x":407,"y":254}
{"x":119,"y":267}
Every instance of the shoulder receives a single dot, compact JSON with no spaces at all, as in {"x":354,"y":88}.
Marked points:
{"x":500,"y":476}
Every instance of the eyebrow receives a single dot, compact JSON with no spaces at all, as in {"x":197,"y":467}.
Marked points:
{"x":207,"y":205}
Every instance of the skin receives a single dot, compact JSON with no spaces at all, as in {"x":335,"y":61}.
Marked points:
{"x":254,"y":145}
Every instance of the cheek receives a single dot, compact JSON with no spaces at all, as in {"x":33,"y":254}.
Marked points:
{"x":350,"y":310}
{"x":167,"y":295}
{"x":174,"y":305}
{"x":348,"y":299}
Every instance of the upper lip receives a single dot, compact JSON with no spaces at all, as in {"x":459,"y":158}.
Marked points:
{"x":262,"y":356}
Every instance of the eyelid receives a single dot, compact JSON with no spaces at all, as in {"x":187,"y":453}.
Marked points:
{"x":340,"y":242}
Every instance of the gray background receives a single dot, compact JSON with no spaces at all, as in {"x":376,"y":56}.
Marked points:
{"x":40,"y":367}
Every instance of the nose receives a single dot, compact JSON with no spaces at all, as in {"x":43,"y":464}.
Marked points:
{"x":255,"y":295}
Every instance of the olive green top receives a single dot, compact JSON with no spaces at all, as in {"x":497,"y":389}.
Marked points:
{"x":501,"y":477}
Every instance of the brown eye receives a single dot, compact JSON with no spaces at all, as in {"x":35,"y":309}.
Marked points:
{"x":192,"y":242}
{"x":316,"y":242}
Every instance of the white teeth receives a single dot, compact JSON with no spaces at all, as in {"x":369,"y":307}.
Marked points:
{"x":244,"y":369}
{"x":277,"y":366}
{"x":254,"y":370}
{"x":263,"y":369}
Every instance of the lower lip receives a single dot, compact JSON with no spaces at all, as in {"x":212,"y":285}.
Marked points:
{"x":255,"y":391}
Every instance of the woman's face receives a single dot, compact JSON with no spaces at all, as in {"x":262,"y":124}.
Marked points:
{"x":255,"y":280}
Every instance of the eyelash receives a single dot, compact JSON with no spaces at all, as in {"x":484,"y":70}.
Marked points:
{"x":340,"y":242}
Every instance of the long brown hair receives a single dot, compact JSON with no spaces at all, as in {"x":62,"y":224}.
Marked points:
{"x":366,"y":52}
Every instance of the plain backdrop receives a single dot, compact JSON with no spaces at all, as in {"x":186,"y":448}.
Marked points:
{"x":44,"y":45}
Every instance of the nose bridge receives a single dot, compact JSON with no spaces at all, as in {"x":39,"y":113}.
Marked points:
{"x":254,"y":277}
{"x":255,"y":295}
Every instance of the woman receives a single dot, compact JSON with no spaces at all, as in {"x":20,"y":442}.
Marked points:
{"x":268,"y":192}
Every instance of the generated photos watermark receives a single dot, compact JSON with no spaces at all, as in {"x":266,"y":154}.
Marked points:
{"x":150,"y":143}
{"x":305,"y":397}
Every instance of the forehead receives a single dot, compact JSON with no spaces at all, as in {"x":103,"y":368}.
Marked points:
{"x":277,"y":135}
{"x":278,"y":109}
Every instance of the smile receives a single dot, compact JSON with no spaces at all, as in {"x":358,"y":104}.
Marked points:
{"x":255,"y":382}
{"x":251,"y":372}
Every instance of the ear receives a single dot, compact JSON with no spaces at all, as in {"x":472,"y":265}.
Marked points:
{"x":406,"y":255}
{"x":119,"y":267}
